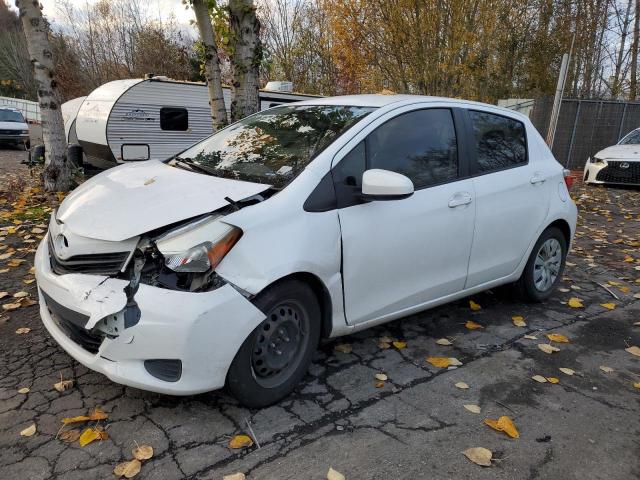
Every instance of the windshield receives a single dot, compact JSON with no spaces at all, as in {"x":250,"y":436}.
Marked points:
{"x":11,"y":116}
{"x":632,"y":139}
{"x":274,"y":145}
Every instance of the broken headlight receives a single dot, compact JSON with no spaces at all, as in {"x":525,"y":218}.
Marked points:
{"x":204,"y":256}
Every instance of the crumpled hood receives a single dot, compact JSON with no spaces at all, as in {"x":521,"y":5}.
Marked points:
{"x":620,"y":152}
{"x":132,"y":199}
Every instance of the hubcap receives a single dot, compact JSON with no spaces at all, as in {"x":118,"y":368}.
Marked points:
{"x":278,"y":345}
{"x":547,"y":264}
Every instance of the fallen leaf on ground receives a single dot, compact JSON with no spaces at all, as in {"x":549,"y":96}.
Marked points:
{"x":474,"y":306}
{"x":472,"y":408}
{"x":63,"y":385}
{"x":637,"y":385}
{"x":608,"y":306}
{"x":386,"y":339}
{"x":69,"y":436}
{"x":546,"y":348}
{"x":24,"y":390}
{"x":575,"y":303}
{"x":553,"y":380}
{"x":334,"y":475}
{"x":30,"y":430}
{"x":384,"y":345}
{"x":444,"y":341}
{"x":400,"y":345}
{"x":606,"y":369}
{"x":379,"y":384}
{"x":142,"y":452}
{"x":567,"y":371}
{"x":539,"y":378}
{"x":462,"y":385}
{"x":23,"y":330}
{"x":128,"y":469}
{"x":633,"y":350}
{"x":91,"y":434}
{"x":97,"y":414}
{"x":20,"y":295}
{"x":4,"y":294}
{"x":11,"y":306}
{"x":471,"y":325}
{"x":518,"y":321}
{"x":479,"y":455}
{"x":637,"y":324}
{"x":343,"y":348}
{"x":240,"y":441}
{"x":530,"y":337}
{"x":557,"y":337}
{"x":234,"y":476}
{"x":443,"y":362}
{"x":503,"y":424}
{"x":78,"y":419}
{"x":381,"y":376}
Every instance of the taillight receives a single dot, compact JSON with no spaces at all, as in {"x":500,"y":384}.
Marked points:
{"x":568,"y":178}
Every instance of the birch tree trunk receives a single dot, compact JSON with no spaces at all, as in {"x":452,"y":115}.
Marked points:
{"x":57,"y":172}
{"x":633,"y":82}
{"x":245,"y":58}
{"x":211,"y":64}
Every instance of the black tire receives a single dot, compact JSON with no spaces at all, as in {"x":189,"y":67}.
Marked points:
{"x":526,"y":285}
{"x":254,"y":377}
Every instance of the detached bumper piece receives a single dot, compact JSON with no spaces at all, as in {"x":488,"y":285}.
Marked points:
{"x":167,"y":370}
{"x":620,"y":172}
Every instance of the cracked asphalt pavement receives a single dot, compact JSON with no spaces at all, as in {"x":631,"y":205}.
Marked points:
{"x":585,"y":427}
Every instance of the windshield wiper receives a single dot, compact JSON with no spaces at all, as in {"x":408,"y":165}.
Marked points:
{"x":190,"y":162}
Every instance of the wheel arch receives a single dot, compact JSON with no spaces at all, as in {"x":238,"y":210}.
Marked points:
{"x":564,"y":227}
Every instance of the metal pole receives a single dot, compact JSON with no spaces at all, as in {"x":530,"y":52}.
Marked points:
{"x":624,"y":114}
{"x":573,"y":134}
{"x":557,"y":100}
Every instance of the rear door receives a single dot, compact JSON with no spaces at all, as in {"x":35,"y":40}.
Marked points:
{"x":398,"y":254}
{"x":511,"y":190}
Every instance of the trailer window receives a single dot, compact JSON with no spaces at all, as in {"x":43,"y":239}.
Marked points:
{"x":173,"y":118}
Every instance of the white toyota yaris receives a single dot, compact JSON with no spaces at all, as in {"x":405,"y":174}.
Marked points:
{"x":228,"y":263}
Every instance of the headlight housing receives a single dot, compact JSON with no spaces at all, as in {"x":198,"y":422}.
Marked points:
{"x":200,"y":247}
{"x":24,"y":132}
{"x":597,"y":160}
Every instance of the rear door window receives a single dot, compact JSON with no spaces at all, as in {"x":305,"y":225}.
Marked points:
{"x":500,"y":142}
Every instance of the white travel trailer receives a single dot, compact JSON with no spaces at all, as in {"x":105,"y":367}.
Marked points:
{"x":142,"y":119}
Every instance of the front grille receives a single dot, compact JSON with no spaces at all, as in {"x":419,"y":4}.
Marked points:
{"x":10,"y":132}
{"x":95,"y":264}
{"x":614,"y":173}
{"x":72,"y":324}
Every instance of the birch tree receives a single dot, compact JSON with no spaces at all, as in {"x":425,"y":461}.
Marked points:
{"x":57,"y":171}
{"x":211,"y":62}
{"x":633,"y":81}
{"x":246,"y":57}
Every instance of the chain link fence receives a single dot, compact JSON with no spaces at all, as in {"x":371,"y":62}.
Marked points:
{"x":585,"y":126}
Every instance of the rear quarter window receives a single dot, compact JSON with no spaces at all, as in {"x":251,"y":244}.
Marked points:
{"x":500,"y":142}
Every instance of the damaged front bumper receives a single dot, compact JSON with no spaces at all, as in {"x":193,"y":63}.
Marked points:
{"x":183,"y":343}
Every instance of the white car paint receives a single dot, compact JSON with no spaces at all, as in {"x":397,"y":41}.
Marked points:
{"x":375,"y":261}
{"x":624,"y":158}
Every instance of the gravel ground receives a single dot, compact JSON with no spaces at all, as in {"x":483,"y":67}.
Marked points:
{"x":585,"y":427}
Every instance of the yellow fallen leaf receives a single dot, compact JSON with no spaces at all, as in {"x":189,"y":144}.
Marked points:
{"x":575,"y":303}
{"x":443,"y":362}
{"x":474,"y":306}
{"x":608,"y":306}
{"x":11,"y":306}
{"x":343,"y":348}
{"x":92,"y":434}
{"x":471,"y":325}
{"x":637,"y":385}
{"x":334,"y":475}
{"x":553,"y":380}
{"x":539,"y":379}
{"x":240,"y":441}
{"x":400,"y":345}
{"x":128,"y":469}
{"x":557,"y":337}
{"x":78,"y":419}
{"x":69,"y":436}
{"x":633,"y":351}
{"x":624,"y":289}
{"x":479,"y":455}
{"x":23,"y":330}
{"x":20,"y":294}
{"x":462,"y":385}
{"x":444,"y":342}
{"x":30,"y":430}
{"x":97,"y":414}
{"x":567,"y":371}
{"x":234,"y":476}
{"x":504,"y":424}
{"x":546,"y":348}
{"x":518,"y":321}
{"x":24,"y":390}
{"x":142,"y":452}
{"x":628,"y":259}
{"x":472,"y":408}
{"x":606,"y":369}
{"x":381,"y":376}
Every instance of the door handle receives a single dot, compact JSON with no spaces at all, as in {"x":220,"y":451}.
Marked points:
{"x":538,"y":177}
{"x":459,"y":199}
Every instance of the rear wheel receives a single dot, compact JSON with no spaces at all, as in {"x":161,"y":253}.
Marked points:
{"x":544,"y":267}
{"x":275,"y":357}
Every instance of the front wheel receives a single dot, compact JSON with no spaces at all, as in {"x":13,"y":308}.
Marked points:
{"x":276,"y":355}
{"x":544,"y":267}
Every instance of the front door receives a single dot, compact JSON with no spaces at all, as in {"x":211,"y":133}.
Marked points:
{"x":399,"y":254}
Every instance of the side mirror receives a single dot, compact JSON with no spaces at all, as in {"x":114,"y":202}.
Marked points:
{"x":378,"y":184}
